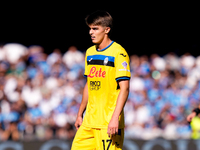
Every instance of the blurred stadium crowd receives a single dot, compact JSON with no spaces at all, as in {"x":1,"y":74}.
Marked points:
{"x":40,"y":93}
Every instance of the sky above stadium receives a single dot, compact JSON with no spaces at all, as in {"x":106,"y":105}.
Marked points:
{"x":142,"y":29}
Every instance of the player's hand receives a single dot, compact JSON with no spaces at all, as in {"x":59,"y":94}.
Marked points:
{"x":78,"y":122}
{"x":190,"y":116}
{"x":113,"y":127}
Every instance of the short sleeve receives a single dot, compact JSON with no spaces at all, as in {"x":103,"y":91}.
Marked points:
{"x":122,"y":65}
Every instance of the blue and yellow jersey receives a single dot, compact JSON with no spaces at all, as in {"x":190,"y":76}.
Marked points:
{"x":103,"y":69}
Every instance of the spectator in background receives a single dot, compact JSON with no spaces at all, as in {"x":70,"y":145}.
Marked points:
{"x":54,"y":57}
{"x":172,"y":61}
{"x":158,"y":62}
{"x":14,"y":51}
{"x":72,"y":57}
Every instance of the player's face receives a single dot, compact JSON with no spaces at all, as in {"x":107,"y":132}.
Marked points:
{"x":98,"y":33}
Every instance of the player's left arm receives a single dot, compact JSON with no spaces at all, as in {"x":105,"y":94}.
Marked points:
{"x":121,"y":100}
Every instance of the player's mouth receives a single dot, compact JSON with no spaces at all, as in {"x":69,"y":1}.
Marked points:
{"x":92,"y":37}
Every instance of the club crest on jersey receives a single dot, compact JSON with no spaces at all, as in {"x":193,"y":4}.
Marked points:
{"x":124,"y":64}
{"x":105,"y":61}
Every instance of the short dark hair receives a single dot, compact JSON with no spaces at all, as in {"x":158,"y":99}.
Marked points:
{"x":100,"y":17}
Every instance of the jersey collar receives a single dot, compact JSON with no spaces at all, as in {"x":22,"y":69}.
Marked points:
{"x":105,"y":47}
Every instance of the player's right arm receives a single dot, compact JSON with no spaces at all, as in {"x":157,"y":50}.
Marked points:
{"x":82,"y":108}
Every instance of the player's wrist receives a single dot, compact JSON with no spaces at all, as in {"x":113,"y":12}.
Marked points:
{"x":79,"y":116}
{"x":115,"y":116}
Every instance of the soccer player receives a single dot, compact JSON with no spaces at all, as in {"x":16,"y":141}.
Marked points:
{"x":105,"y":93}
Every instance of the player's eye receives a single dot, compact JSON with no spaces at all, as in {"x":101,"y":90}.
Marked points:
{"x":94,"y":28}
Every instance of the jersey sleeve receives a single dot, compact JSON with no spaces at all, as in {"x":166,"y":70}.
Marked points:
{"x":122,"y":64}
{"x":86,"y":73}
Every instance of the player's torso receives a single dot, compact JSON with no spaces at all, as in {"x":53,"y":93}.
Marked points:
{"x":101,"y":67}
{"x":102,"y":86}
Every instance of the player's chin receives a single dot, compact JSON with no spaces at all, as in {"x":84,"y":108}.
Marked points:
{"x":95,"y":41}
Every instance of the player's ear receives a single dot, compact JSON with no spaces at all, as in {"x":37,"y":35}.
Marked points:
{"x":107,"y":30}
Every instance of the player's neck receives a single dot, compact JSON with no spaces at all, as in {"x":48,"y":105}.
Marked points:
{"x":104,"y":43}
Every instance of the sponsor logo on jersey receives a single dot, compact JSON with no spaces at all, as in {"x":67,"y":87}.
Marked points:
{"x":96,"y":73}
{"x":95,"y":85}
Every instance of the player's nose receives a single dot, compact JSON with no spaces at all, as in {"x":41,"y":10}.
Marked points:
{"x":90,"y":32}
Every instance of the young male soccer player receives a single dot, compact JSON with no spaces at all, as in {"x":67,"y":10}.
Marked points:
{"x":105,"y":93}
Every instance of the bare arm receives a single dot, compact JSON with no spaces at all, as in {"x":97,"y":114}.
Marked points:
{"x":82,"y":108}
{"x":121,"y":100}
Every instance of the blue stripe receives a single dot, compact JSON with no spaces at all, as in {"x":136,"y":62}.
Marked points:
{"x":105,"y":47}
{"x":123,"y":78}
{"x":100,"y":57}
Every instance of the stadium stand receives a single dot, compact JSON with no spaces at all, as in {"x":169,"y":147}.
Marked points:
{"x":40,"y":94}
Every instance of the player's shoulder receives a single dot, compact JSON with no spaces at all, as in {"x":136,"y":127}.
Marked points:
{"x":118,"y":48}
{"x":91,"y":49}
